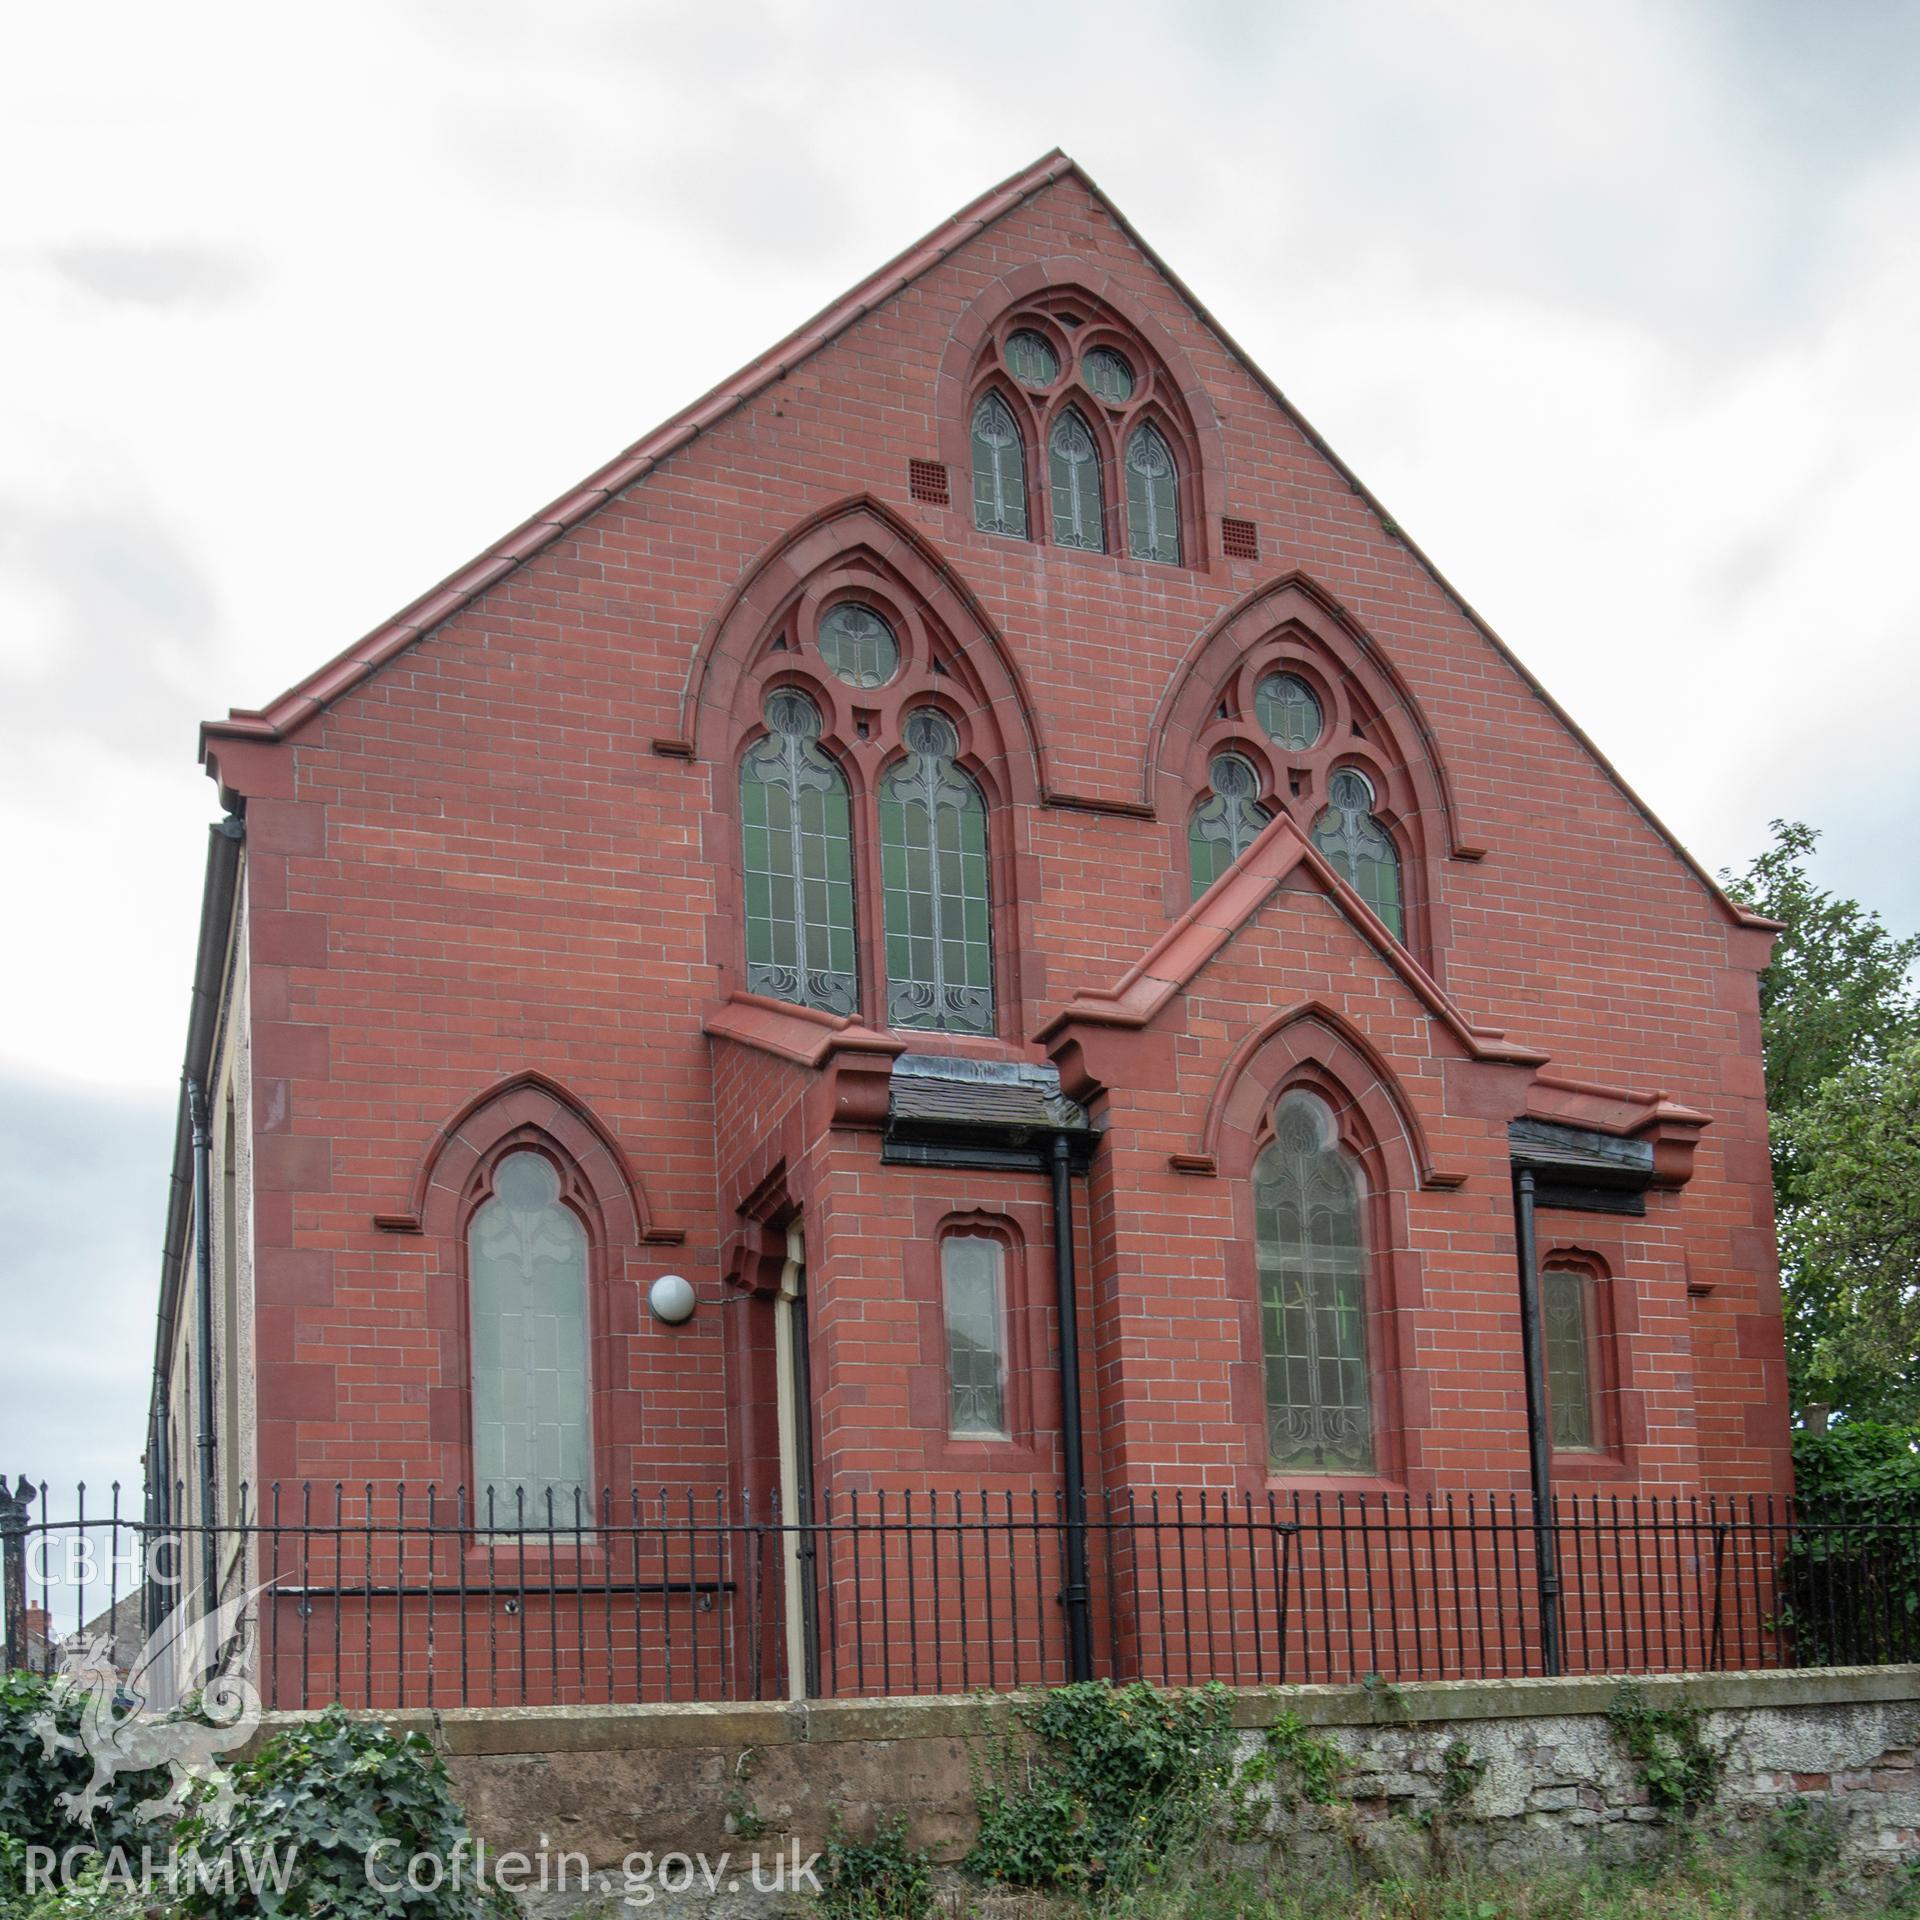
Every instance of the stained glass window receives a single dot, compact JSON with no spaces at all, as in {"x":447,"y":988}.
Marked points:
{"x":858,"y":646}
{"x":527,"y":1255}
{"x":1031,"y":358}
{"x":1566,"y":1325}
{"x":933,"y":872}
{"x":796,"y":861}
{"x":1108,"y":375}
{"x":1227,"y":823}
{"x":1312,"y":1257}
{"x":999,"y":470}
{"x":970,"y":1276}
{"x":1287,"y":711}
{"x":1153,"y":498}
{"x":1078,"y":515}
{"x":1360,"y":847}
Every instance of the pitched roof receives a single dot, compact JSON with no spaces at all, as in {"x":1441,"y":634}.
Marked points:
{"x":311,"y":696}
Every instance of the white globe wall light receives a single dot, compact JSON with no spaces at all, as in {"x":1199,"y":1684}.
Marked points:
{"x":672,"y":1299}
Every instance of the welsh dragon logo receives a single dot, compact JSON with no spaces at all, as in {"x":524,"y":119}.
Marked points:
{"x":181,"y":1706}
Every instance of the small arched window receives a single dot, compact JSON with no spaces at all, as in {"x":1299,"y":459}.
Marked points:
{"x":1074,"y":459}
{"x":527,"y":1262}
{"x":1360,"y":847}
{"x":1567,"y":1314}
{"x":1153,"y":497}
{"x":999,"y":469}
{"x":1227,"y":823}
{"x":796,"y":860}
{"x":1310,"y":1244}
{"x":933,"y":872}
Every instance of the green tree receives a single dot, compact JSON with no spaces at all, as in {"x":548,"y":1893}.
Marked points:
{"x":1840,"y":989}
{"x":1839,"y":1019}
{"x":1850,"y":1240}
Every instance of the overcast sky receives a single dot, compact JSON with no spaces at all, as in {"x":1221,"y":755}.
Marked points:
{"x":1615,"y":306}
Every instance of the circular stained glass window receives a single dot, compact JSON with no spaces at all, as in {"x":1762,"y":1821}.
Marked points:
{"x":1031,"y":358}
{"x":1287,"y":711}
{"x":1108,"y":375}
{"x":859,"y":646}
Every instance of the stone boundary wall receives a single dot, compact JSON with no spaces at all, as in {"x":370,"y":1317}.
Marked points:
{"x":1551,"y":1779}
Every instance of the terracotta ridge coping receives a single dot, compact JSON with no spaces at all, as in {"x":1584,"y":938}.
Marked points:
{"x":308,"y":697}
{"x":1177,"y":957}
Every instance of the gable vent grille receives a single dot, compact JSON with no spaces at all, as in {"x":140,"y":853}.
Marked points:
{"x":1239,"y":540}
{"x":927,"y":481}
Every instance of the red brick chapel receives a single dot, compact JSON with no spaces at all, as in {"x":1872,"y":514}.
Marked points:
{"x":986,"y":765}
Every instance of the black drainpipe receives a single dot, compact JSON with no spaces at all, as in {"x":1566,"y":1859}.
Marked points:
{"x":203,"y":1339}
{"x":1539,"y":1456}
{"x":1079,"y":1638}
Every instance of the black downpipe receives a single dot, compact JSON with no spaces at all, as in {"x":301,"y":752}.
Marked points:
{"x":1079,"y":1639}
{"x":1539,"y":1458}
{"x":203,"y":1314}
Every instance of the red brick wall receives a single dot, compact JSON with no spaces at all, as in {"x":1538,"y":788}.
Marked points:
{"x":476,"y":863}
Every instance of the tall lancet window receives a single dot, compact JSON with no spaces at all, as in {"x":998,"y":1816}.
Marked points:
{"x":527,"y":1260}
{"x":1153,"y":497}
{"x":999,"y":469}
{"x":1312,"y":1255}
{"x":1227,"y":822}
{"x":796,"y":858}
{"x":933,"y":871}
{"x":1078,"y":515}
{"x":1360,"y":847}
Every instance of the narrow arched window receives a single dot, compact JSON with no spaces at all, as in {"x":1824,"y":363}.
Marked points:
{"x":1310,"y":1243}
{"x":933,"y":872}
{"x":1078,"y":514}
{"x":1360,"y":847}
{"x":527,"y":1260}
{"x":796,"y":861}
{"x":999,"y":469}
{"x":1227,"y":822}
{"x":1153,"y":497}
{"x":1566,"y":1311}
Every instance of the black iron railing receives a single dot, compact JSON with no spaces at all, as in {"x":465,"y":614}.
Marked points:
{"x":397,"y":1596}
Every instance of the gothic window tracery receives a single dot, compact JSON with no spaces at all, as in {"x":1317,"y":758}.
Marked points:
{"x":1153,"y":497}
{"x":933,"y":858}
{"x":1310,"y":1246}
{"x":1078,"y":507}
{"x":999,"y":469}
{"x":1227,"y":823}
{"x":1362,"y":850}
{"x":796,"y":853}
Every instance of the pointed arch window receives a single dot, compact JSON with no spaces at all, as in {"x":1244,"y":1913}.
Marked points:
{"x":1074,"y":461}
{"x":1355,"y":842}
{"x":796,"y":857}
{"x":933,"y":871}
{"x":527,"y":1265}
{"x":999,"y":469}
{"x":1153,"y":497}
{"x":1310,"y":1244}
{"x":1567,"y":1313}
{"x":1226,"y":824}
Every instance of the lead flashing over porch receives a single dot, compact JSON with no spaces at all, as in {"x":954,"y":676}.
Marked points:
{"x":944,"y":1110}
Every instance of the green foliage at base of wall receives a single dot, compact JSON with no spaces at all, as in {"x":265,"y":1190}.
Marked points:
{"x":1110,"y":1784}
{"x":331,"y":1792}
{"x":1671,"y":1756}
{"x":33,"y":1779}
{"x":877,"y":1879}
